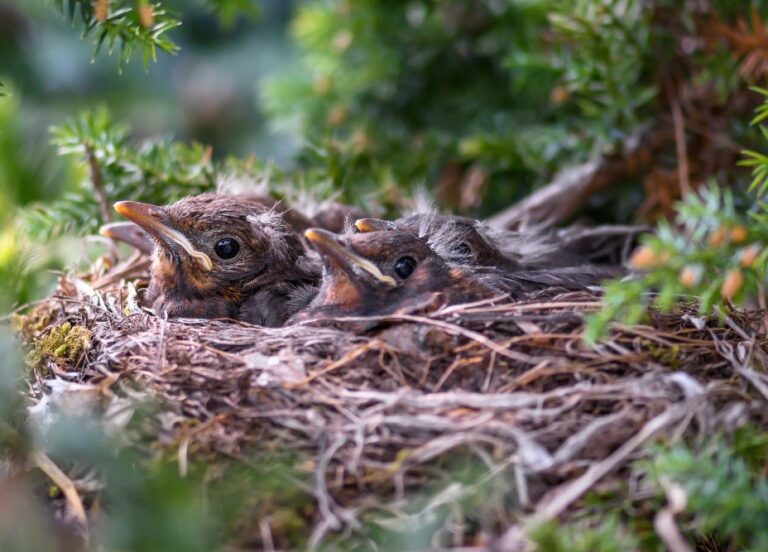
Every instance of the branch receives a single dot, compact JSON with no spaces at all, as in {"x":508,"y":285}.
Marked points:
{"x":572,"y":187}
{"x":98,"y":183}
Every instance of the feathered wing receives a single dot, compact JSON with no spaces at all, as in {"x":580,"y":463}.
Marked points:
{"x":519,"y":284}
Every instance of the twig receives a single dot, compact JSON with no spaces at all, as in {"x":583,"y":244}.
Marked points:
{"x":573,"y":490}
{"x":451,"y":329}
{"x":726,"y":351}
{"x":559,"y":200}
{"x":664,"y":522}
{"x":97,"y":180}
{"x":337,"y":364}
{"x":68,"y":489}
{"x":682,"y":148}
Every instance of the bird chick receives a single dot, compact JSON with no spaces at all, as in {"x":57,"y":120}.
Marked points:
{"x":469,"y":242}
{"x":384,"y":272}
{"x":335,"y":217}
{"x":219,"y":256}
{"x":457,"y":240}
{"x":380,"y":273}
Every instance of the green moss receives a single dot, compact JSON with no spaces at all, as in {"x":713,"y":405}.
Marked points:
{"x":64,"y":343}
{"x":607,"y":535}
{"x":28,"y":326}
{"x":668,"y":356}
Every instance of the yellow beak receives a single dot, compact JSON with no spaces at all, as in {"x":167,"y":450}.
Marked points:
{"x":328,"y":245}
{"x":149,"y":217}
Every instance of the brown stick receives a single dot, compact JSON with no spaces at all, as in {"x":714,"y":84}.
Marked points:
{"x":573,"y":490}
{"x":682,"y":147}
{"x":560,"y":199}
{"x":97,"y":179}
{"x":65,"y":484}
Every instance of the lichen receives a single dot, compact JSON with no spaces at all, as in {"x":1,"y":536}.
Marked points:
{"x":64,"y":343}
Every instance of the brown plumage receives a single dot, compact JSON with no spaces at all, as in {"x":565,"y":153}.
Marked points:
{"x":384,"y":272}
{"x":330,"y":216}
{"x":458,"y":240}
{"x":219,"y":256}
{"x":335,"y":217}
{"x":470,"y":242}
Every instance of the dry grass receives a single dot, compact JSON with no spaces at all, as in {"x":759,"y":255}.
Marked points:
{"x":373,"y":412}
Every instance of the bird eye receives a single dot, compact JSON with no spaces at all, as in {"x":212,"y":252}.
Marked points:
{"x":227,"y":248}
{"x":404,"y":266}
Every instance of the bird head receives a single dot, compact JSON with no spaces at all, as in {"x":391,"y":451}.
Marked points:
{"x":382,"y":272}
{"x":214,"y":245}
{"x":456,"y":240}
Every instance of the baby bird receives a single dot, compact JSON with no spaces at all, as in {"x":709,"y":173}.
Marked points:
{"x":469,"y":242}
{"x":219,"y":256}
{"x":384,"y":272}
{"x":456,"y":239}
{"x":378,"y":273}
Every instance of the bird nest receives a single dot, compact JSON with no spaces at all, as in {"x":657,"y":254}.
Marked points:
{"x":377,"y":416}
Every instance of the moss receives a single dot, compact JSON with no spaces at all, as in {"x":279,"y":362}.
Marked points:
{"x":605,"y":534}
{"x":64,"y":343}
{"x":668,"y":356}
{"x":29,"y":326}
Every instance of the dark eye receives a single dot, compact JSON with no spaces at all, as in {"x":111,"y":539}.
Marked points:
{"x":227,"y":248}
{"x":404,"y":266}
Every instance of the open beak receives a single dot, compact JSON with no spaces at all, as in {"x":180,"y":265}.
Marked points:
{"x":150,"y":219}
{"x":128,"y":232}
{"x":373,"y":225}
{"x":337,"y":254}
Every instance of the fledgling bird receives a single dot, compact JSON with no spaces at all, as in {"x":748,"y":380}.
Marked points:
{"x":469,"y":242}
{"x":335,"y":217}
{"x":329,"y":215}
{"x":220,"y":256}
{"x":456,"y":239}
{"x":384,"y":272}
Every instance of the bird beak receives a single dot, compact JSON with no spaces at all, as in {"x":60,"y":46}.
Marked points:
{"x":329,"y":247}
{"x":127,"y":232}
{"x":372,"y":225}
{"x":149,"y":218}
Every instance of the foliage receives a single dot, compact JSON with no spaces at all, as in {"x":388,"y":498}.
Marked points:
{"x":485,"y":100}
{"x":605,"y":48}
{"x":154,"y":171}
{"x":129,"y":25}
{"x":383,"y":88}
{"x":726,"y":487}
{"x":29,"y":172}
{"x":607,"y":535}
{"x":141,"y":25}
{"x":229,"y":10}
{"x":713,"y":252}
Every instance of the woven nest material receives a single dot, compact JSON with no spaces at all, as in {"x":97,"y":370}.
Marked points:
{"x":512,"y":385}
